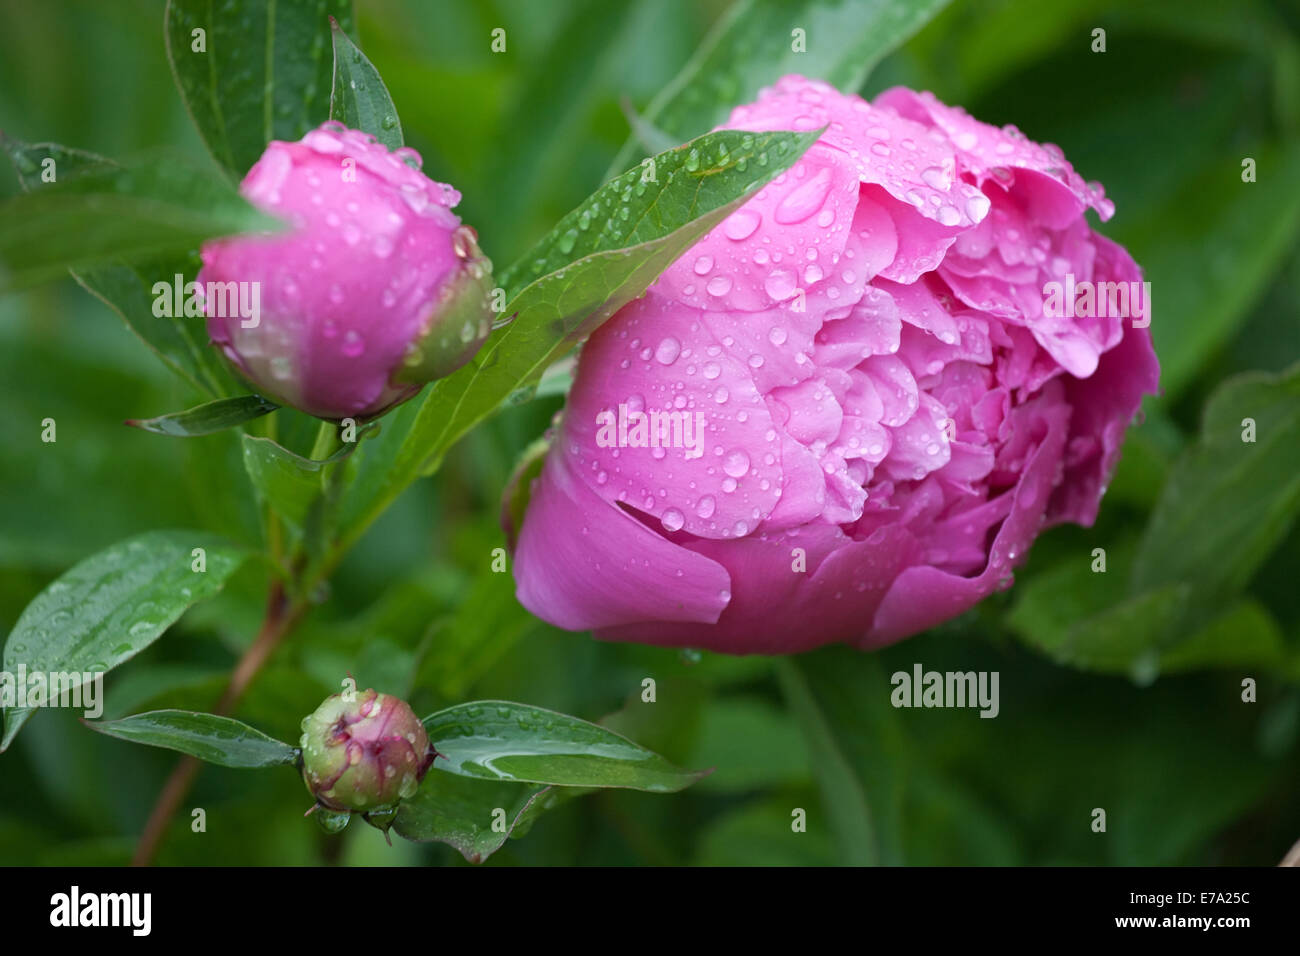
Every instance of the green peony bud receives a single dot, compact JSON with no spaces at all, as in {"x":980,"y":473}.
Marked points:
{"x":365,"y":754}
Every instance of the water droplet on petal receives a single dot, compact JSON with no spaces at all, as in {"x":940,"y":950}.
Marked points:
{"x":741,"y":225}
{"x":668,"y":350}
{"x":804,"y":200}
{"x":736,"y":463}
{"x":780,"y":285}
{"x":672,"y":520}
{"x":936,"y":177}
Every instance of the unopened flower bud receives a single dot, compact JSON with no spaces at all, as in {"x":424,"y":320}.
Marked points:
{"x":374,"y":289}
{"x":365,"y":754}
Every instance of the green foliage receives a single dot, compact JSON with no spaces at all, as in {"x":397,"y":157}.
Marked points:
{"x":359,"y":99}
{"x":179,"y":341}
{"x":207,"y":418}
{"x":1231,"y":499}
{"x":758,"y":41}
{"x":113,"y":605}
{"x":500,"y":740}
{"x":1121,"y":689}
{"x":264,"y":72}
{"x":220,"y":740}
{"x":110,"y":213}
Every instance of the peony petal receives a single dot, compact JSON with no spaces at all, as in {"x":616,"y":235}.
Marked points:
{"x":584,"y":563}
{"x":1055,"y":194}
{"x":923,"y":596}
{"x":776,"y":609}
{"x":736,"y":266}
{"x":654,"y":358}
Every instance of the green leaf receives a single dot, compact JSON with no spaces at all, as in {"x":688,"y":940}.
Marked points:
{"x":359,"y":99}
{"x":265,"y":72}
{"x":181,"y":342}
{"x":157,"y":207}
{"x":1245,"y":634}
{"x":753,"y":45}
{"x":220,"y":740}
{"x":289,"y":483}
{"x":597,"y":259}
{"x":700,"y":180}
{"x":1127,"y":637}
{"x":518,"y":491}
{"x":1228,"y":502}
{"x":463,"y":812}
{"x":207,"y":418}
{"x":1089,"y":621}
{"x":554,"y":92}
{"x":488,"y":621}
{"x":649,"y":137}
{"x":556,"y":380}
{"x":1210,"y":250}
{"x":758,"y":833}
{"x":753,"y":743}
{"x":500,"y":740}
{"x":113,"y":605}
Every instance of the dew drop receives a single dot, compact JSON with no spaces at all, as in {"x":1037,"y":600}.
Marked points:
{"x":780,"y":285}
{"x":741,"y":225}
{"x":353,"y":344}
{"x":736,"y":463}
{"x":936,"y":177}
{"x":673,"y":520}
{"x":668,"y":350}
{"x":804,"y":200}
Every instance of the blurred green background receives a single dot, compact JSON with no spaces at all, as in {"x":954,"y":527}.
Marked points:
{"x":1187,"y":772}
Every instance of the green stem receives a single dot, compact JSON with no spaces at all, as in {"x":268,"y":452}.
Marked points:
{"x":325,"y":441}
{"x":274,"y":533}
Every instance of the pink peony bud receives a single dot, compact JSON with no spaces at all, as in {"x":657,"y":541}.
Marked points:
{"x":845,"y":414}
{"x":376,"y":289}
{"x":365,"y":754}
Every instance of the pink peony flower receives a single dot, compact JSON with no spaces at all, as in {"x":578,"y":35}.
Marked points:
{"x":890,"y":409}
{"x":376,"y":290}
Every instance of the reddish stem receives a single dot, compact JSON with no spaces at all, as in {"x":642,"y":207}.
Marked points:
{"x":280,"y":618}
